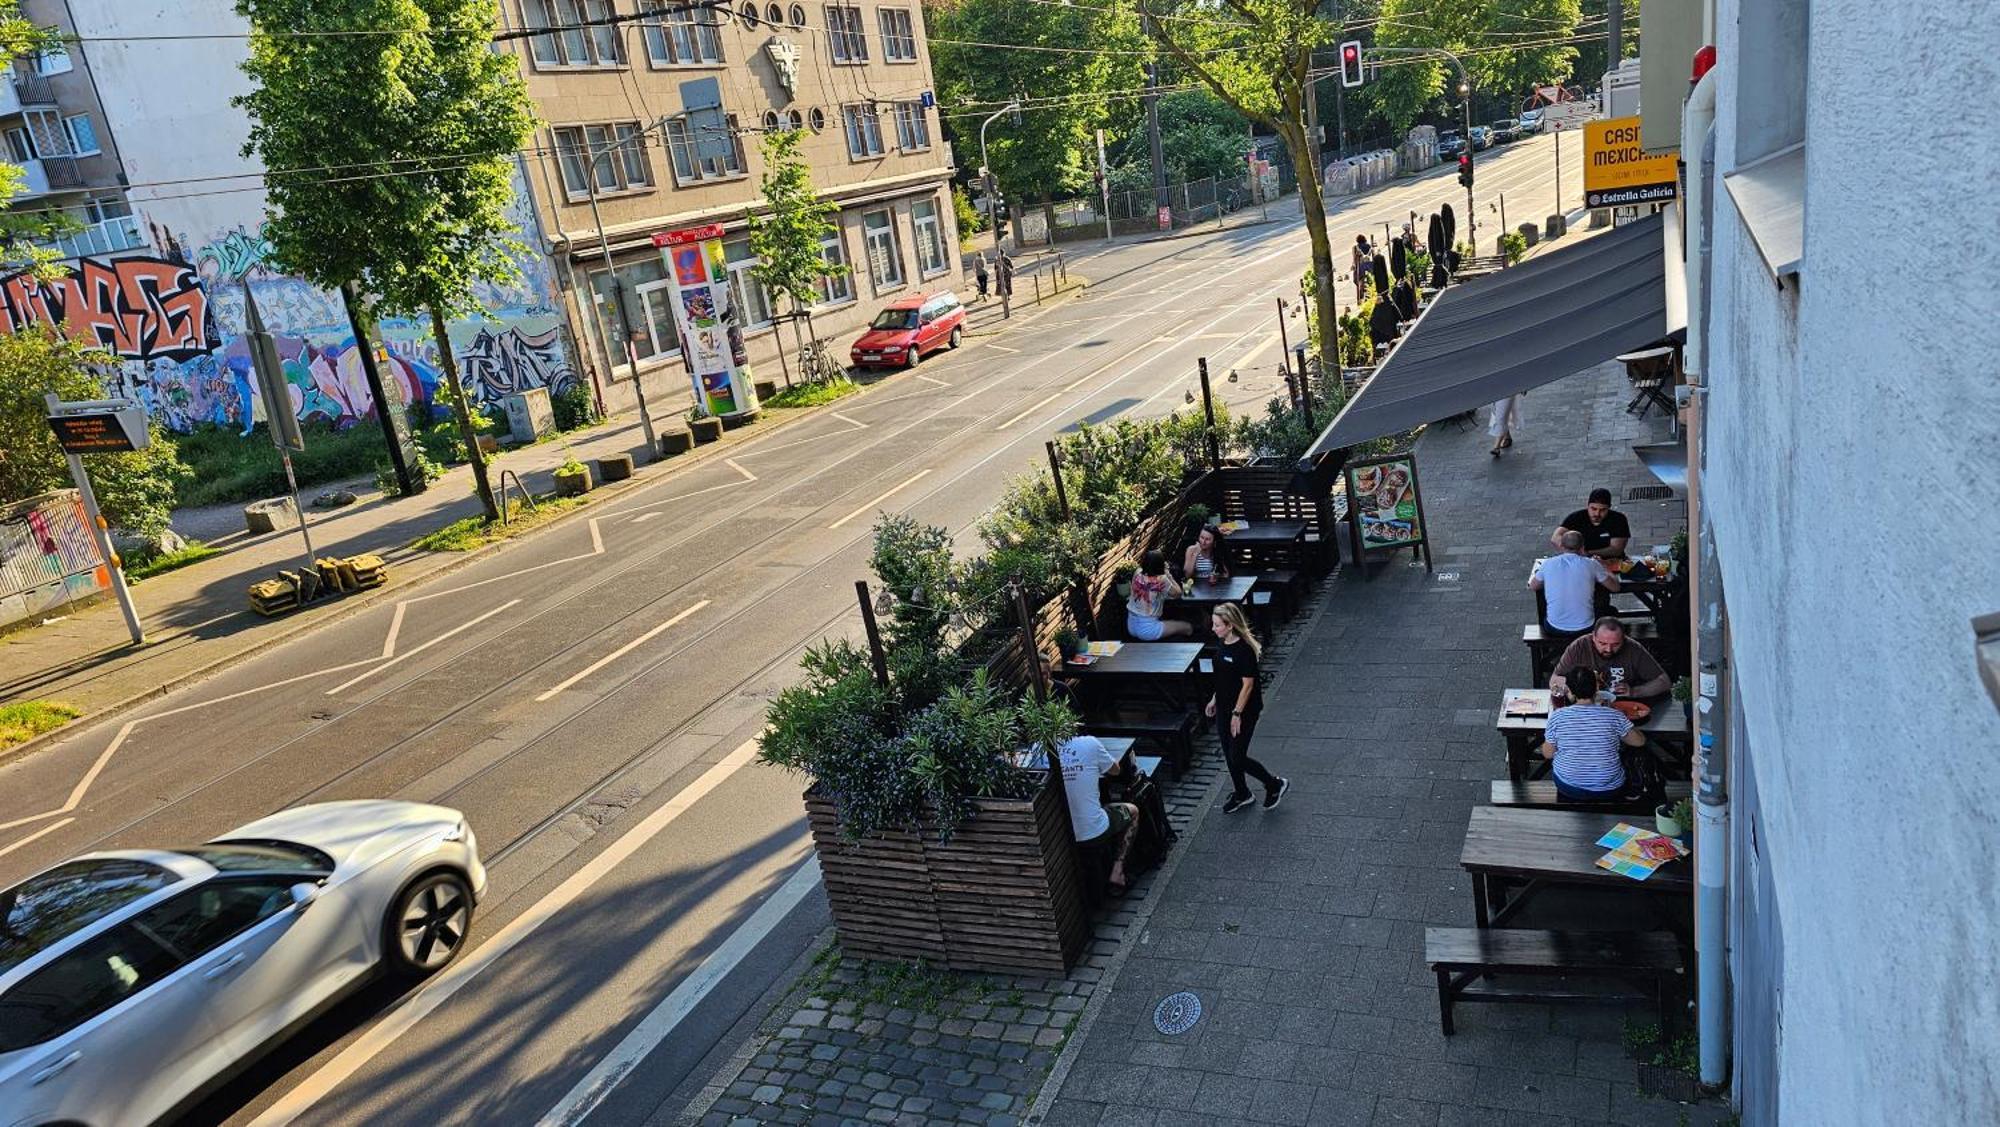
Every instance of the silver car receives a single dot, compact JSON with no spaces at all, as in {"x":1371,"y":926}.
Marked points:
{"x":133,"y":981}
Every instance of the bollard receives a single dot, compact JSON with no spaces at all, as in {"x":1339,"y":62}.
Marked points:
{"x":1038,"y":288}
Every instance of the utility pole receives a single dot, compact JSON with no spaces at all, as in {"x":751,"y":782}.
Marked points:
{"x":1614,"y":35}
{"x":986,"y":169}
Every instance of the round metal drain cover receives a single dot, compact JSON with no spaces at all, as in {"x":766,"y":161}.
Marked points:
{"x":1177,"y":1013}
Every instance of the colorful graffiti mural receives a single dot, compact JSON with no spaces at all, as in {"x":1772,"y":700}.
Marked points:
{"x":135,"y":308}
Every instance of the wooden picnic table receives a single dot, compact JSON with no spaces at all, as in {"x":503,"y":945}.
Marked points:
{"x":1506,"y":846}
{"x":1525,"y":734}
{"x":1161,"y":668}
{"x":1658,"y":595}
{"x":1202,"y":598}
{"x":1269,"y":541}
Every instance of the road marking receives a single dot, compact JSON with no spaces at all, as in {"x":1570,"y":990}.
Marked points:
{"x":884,"y":497}
{"x":400,"y":659}
{"x":459,"y":975}
{"x":644,"y":517}
{"x":41,"y":833}
{"x":1244,"y":360}
{"x":1051,"y":398}
{"x":747,"y":475}
{"x":660,"y":1024}
{"x":1004,"y":348}
{"x":621,"y":651}
{"x":932,"y":379}
{"x":395,"y":628}
{"x":857,"y":424}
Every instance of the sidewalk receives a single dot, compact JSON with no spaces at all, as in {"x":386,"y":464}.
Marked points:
{"x":1301,"y":930}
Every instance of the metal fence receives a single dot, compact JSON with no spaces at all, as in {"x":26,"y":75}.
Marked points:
{"x":47,"y":556}
{"x":1189,"y":203}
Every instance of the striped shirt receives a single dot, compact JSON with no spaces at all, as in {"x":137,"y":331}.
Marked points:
{"x":1204,"y":566}
{"x":1586,"y":738}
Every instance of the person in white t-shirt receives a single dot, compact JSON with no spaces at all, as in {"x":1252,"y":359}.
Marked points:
{"x":1085,"y":760}
{"x":1569,"y":581}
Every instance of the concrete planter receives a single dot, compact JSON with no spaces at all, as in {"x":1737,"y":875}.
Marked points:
{"x":766,"y":388}
{"x":676,"y":442}
{"x":574,"y":483}
{"x":706,"y":429}
{"x":614,"y":467}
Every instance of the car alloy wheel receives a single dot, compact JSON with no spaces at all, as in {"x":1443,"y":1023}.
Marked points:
{"x":428,"y":924}
{"x":957,"y":336}
{"x":910,"y":361}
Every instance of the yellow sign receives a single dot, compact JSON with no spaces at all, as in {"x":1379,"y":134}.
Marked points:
{"x":1616,"y":171}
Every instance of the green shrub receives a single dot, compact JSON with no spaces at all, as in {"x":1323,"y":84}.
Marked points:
{"x":1513,"y":245}
{"x":575,"y":407}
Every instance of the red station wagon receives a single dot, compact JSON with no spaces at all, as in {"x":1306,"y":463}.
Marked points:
{"x":908,"y":328}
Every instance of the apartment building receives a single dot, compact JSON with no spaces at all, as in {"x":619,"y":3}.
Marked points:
{"x":617,"y":161}
{"x":55,"y":129}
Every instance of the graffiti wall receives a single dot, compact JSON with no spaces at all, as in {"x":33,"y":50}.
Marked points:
{"x":176,"y":321}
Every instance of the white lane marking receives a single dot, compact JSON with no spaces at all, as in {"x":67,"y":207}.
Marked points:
{"x":857,"y":424}
{"x":460,"y":974}
{"x":596,"y":538}
{"x":660,"y":1024}
{"x":747,"y":475}
{"x":395,"y":628}
{"x":621,"y":651}
{"x":1050,"y":398}
{"x":1004,"y":348}
{"x":884,"y":497}
{"x":41,"y":833}
{"x":932,"y":379}
{"x":401,"y":658}
{"x":644,"y":517}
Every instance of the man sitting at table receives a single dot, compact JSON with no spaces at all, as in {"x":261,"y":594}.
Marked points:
{"x":1569,"y":582}
{"x":1605,"y":530}
{"x":1583,"y":741}
{"x":1085,"y":760}
{"x":1621,"y":664}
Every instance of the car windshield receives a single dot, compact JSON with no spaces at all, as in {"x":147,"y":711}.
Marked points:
{"x":1504,"y":123}
{"x":1448,"y":135}
{"x":261,"y":857}
{"x":895,"y":319}
{"x":48,"y":908}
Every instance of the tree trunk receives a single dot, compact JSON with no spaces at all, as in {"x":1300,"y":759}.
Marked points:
{"x":459,"y":407}
{"x":1326,"y":311}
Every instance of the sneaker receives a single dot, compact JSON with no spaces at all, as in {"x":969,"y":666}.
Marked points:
{"x":1271,"y":797}
{"x":1235,"y":803}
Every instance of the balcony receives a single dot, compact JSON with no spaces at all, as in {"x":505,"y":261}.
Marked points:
{"x":25,"y":90}
{"x":99,"y":240}
{"x":48,"y":176}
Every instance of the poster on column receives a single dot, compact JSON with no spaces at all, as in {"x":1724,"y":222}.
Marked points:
{"x":711,"y":340}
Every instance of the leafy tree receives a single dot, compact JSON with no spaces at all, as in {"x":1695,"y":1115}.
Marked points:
{"x":1201,"y":136}
{"x":1054,"y":152}
{"x":1256,"y":55}
{"x":1507,"y":47}
{"x":134,"y":490}
{"x":788,"y":241}
{"x":424,"y":117}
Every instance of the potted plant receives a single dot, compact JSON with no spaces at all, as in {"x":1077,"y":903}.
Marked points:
{"x":572,"y":478}
{"x":1200,"y":516}
{"x":1683,"y":691}
{"x":1674,"y":820}
{"x":1068,"y":644}
{"x":1678,"y":549}
{"x":706,"y":428}
{"x":1122,"y":579}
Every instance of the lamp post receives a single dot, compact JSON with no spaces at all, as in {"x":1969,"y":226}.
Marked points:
{"x":622,"y":326}
{"x":986,"y":169}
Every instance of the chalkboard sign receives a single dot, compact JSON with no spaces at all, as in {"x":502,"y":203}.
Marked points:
{"x":1385,"y":507}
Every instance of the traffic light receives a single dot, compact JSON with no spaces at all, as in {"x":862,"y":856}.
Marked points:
{"x":1465,"y":168}
{"x":1350,"y":63}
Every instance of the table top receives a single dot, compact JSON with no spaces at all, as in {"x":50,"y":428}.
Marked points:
{"x":1668,"y":718}
{"x":1172,"y":659}
{"x":1032,"y":758}
{"x":1234,"y":589}
{"x":1556,"y":845}
{"x":1636,"y":578}
{"x":1267,"y":532}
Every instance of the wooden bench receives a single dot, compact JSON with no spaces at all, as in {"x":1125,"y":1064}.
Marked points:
{"x":1171,"y":731}
{"x":1541,"y":795}
{"x":1649,"y":962}
{"x":1543,"y":653}
{"x":1288,"y":589}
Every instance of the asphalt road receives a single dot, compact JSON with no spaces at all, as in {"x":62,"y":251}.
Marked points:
{"x":589,"y":697}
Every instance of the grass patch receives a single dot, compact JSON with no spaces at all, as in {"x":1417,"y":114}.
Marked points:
{"x":813,"y":394}
{"x":476,"y":531}
{"x":22,"y":722}
{"x":195,"y":552}
{"x":231,"y":466}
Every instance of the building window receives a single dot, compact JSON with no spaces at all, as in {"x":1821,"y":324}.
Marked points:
{"x":931,"y":256}
{"x":793,"y":121}
{"x":899,"y":38}
{"x":845,"y":31}
{"x":913,"y":127}
{"x":21,"y":143}
{"x":885,"y":258}
{"x":578,"y":43}
{"x":676,"y":38}
{"x":82,"y":135}
{"x":613,"y":157}
{"x":746,"y":293}
{"x":54,"y":62}
{"x":647,"y":295}
{"x":749,"y":16}
{"x":837,"y":286}
{"x":818,"y":119}
{"x":690,"y":167}
{"x":864,"y":131}
{"x":107,"y":208}
{"x":798,"y":15}
{"x":772,"y":122}
{"x":774,"y":15}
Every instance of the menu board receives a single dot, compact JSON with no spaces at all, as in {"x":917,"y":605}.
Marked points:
{"x":1382,"y":501}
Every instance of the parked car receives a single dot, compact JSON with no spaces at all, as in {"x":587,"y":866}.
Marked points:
{"x":132,"y":982}
{"x":1482,"y":137}
{"x":1530,"y":122}
{"x":908,"y":328}
{"x":1450,"y":144}
{"x":1506,"y":129}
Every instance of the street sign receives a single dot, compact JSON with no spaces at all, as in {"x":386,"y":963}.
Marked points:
{"x":1616,"y":171}
{"x":112,"y":427}
{"x":928,"y":99}
{"x":276,"y":390}
{"x":1566,"y":115}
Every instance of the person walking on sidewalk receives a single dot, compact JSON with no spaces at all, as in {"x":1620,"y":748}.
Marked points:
{"x":979,"y":274}
{"x":1506,"y":416}
{"x":1236,"y":704}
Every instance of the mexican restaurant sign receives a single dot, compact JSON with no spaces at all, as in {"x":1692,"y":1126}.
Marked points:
{"x":1617,"y":172}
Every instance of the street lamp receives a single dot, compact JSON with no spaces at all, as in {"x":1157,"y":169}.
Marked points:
{"x":986,"y":167}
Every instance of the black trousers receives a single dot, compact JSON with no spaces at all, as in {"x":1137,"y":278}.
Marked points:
{"x":1236,"y":754}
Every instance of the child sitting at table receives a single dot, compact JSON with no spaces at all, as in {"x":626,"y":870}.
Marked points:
{"x":1145,"y":609}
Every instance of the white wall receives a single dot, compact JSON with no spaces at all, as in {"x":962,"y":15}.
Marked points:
{"x":1855,"y":483}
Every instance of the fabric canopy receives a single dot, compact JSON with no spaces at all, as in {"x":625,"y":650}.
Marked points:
{"x":1532,"y":324}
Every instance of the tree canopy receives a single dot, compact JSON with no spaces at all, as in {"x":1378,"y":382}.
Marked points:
{"x":1508,"y":48}
{"x":788,"y":239}
{"x":22,"y":229}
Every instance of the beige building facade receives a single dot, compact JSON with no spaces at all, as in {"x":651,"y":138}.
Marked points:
{"x":617,"y":161}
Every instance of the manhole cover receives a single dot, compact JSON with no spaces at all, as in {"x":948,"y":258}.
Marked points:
{"x":1177,"y":1013}
{"x":1649,"y":493}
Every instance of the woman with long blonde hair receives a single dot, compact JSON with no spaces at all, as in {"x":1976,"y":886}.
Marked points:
{"x":1237,"y":702}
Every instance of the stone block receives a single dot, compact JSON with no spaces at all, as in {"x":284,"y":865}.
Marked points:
{"x":274,"y":514}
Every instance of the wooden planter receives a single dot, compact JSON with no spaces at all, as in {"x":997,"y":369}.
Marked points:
{"x":1003,"y":895}
{"x":573,"y":484}
{"x":676,"y":442}
{"x":706,"y":429}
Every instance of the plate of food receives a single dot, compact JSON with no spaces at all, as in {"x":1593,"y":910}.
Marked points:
{"x":1396,"y":478}
{"x":1634,"y":710}
{"x":1525,"y":706}
{"x":1367,"y":479}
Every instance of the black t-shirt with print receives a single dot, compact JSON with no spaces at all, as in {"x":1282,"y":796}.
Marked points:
{"x":1233,"y":662}
{"x":1597,"y":537}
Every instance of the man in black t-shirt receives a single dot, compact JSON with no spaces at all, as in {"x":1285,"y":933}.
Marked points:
{"x":1605,"y":530}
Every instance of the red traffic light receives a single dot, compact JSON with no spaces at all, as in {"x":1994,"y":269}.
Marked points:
{"x":1350,"y":63}
{"x":1465,"y":168}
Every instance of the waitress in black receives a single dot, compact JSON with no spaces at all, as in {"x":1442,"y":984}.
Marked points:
{"x":1236,"y":704}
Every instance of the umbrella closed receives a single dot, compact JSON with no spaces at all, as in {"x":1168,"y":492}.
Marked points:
{"x":1384,"y":323}
{"x":1435,"y":237}
{"x":1399,"y":258}
{"x":1381,"y":269}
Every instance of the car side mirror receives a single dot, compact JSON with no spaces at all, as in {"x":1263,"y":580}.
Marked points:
{"x":303,"y":894}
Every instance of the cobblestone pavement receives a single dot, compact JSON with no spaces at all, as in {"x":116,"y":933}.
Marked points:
{"x":1301,"y":929}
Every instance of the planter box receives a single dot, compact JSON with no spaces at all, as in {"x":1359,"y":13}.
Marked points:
{"x":573,"y":484}
{"x":676,"y":442}
{"x":766,"y":388}
{"x":1004,"y":895}
{"x":706,"y":429}
{"x":614,"y":467}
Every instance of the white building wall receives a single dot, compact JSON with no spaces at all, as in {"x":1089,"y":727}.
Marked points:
{"x":1854,"y":481}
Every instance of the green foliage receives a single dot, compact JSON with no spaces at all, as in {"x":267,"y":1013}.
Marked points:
{"x":814,"y":393}
{"x":1683,"y":689}
{"x":24,"y":720}
{"x":159,"y":564}
{"x":914,"y":564}
{"x":788,"y":239}
{"x":1282,"y":433}
{"x":1480,"y":32}
{"x":471,"y":532}
{"x":226,"y":465}
{"x":1683,"y":812}
{"x":134,"y":490}
{"x":1200,"y":136}
{"x":22,"y":229}
{"x":575,"y":407}
{"x":971,"y":220}
{"x":1513,"y":245}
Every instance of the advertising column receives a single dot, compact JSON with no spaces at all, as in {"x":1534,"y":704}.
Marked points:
{"x":711,"y":339}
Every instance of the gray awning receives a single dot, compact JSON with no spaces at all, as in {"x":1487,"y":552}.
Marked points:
{"x":1484,"y":340}
{"x":1770,"y":194}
